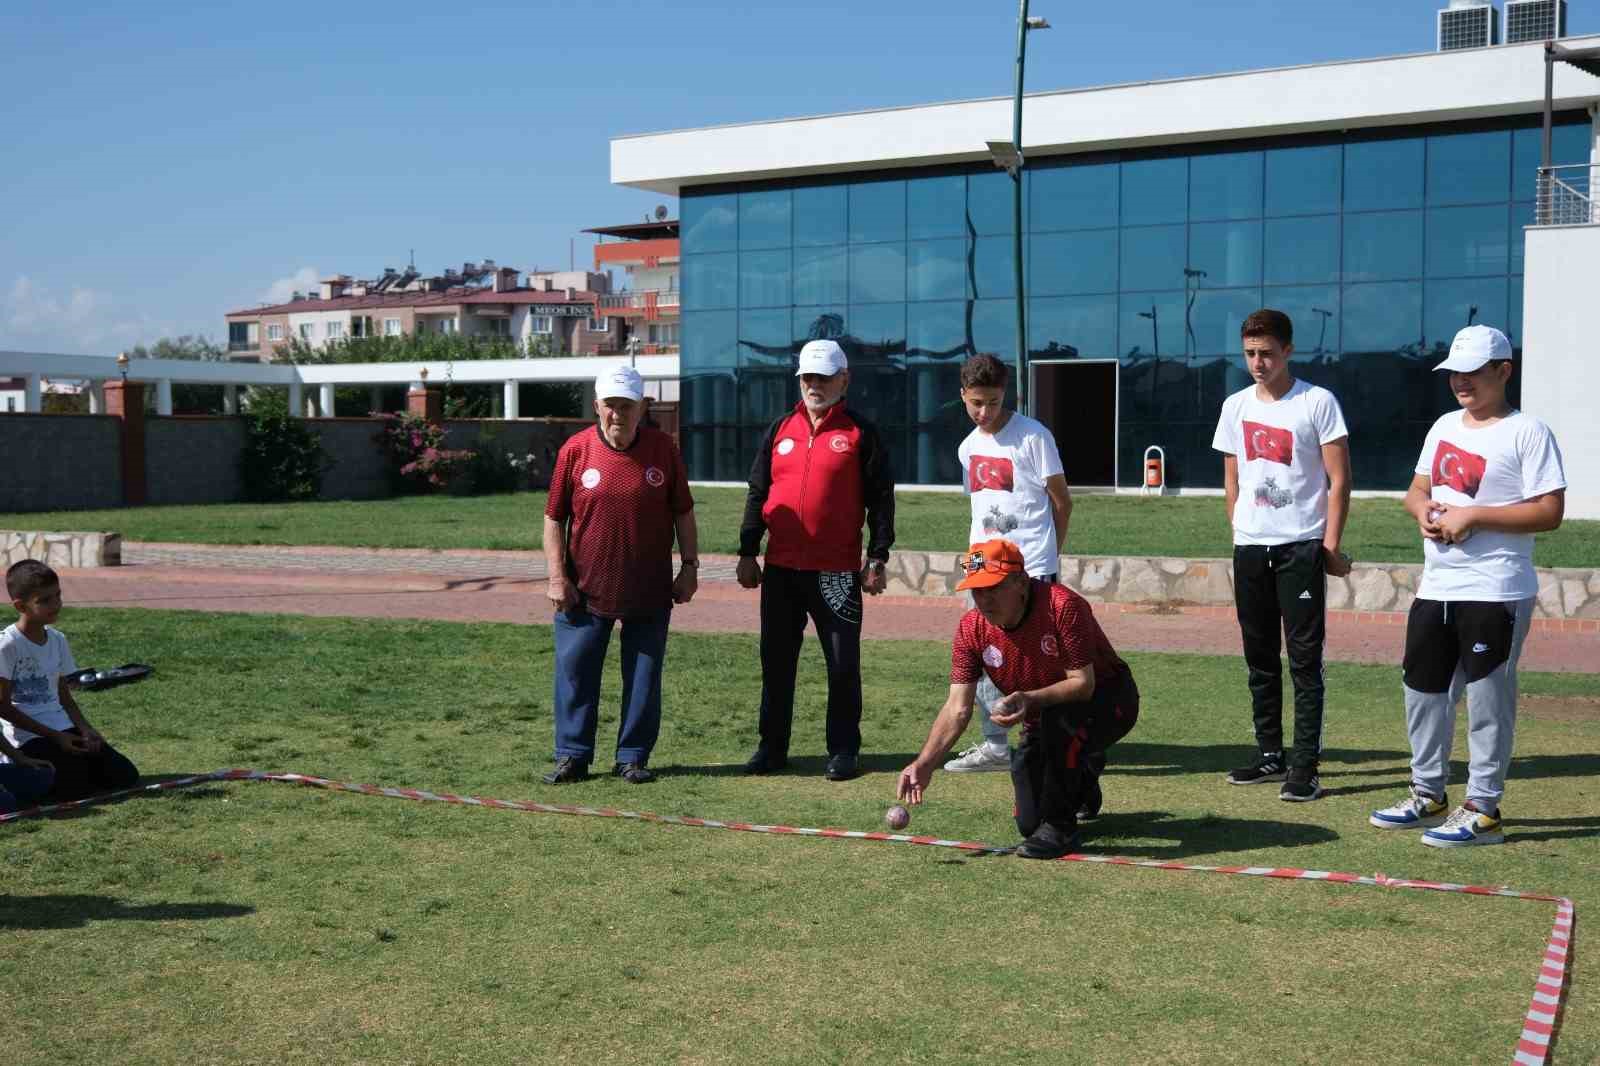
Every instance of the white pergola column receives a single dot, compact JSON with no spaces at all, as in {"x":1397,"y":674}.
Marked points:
{"x":230,"y":399}
{"x":97,"y":397}
{"x":164,"y":396}
{"x":296,"y":405}
{"x":511,"y":400}
{"x":33,"y":394}
{"x":325,"y":400}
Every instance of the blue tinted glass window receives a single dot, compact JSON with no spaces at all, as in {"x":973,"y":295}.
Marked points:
{"x":936,"y":270}
{"x":1216,"y":317}
{"x":1514,"y":314}
{"x":994,"y":272}
{"x":819,"y":215}
{"x":873,"y":335}
{"x":1083,"y":197}
{"x":937,"y":330}
{"x":1153,"y":257}
{"x":1302,"y":250}
{"x":1384,"y":245}
{"x":936,"y":207}
{"x":1522,"y":216}
{"x":989,"y":202}
{"x":820,"y":275}
{"x":1382,"y":175}
{"x":710,"y":281}
{"x":1464,"y":241}
{"x":819,"y":323}
{"x":1304,"y":181}
{"x":1227,"y":253}
{"x":709,"y":223}
{"x":994,"y":327}
{"x":1314,"y":311}
{"x":764,"y":338}
{"x":1151,"y":323}
{"x":1064,"y":263}
{"x":764,"y":219}
{"x":1154,"y":191}
{"x":1383,"y":318}
{"x":1448,"y":306}
{"x":710,"y":341}
{"x":1225,"y":186}
{"x":1569,"y":145}
{"x":1087,"y":324}
{"x":877,"y":211}
{"x":764,"y":278}
{"x":1469,"y":168}
{"x":877,"y":273}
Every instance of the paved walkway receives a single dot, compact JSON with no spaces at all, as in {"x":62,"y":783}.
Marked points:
{"x":508,"y":586}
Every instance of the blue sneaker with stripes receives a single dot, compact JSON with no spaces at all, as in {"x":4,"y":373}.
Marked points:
{"x":1419,"y":810}
{"x":1465,"y":827}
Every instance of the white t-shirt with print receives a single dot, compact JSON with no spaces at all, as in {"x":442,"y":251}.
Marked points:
{"x":1004,"y":473}
{"x":1283,"y":486}
{"x":1506,"y":462}
{"x":34,"y":671}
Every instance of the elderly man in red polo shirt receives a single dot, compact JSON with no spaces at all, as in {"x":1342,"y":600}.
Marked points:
{"x":1058,"y":676}
{"x":821,"y":469}
{"x":618,"y":497}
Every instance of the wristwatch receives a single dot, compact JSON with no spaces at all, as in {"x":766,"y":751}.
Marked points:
{"x":877,"y":564}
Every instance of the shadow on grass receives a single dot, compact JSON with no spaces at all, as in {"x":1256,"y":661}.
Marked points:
{"x":1554,"y":829}
{"x":1194,"y":837}
{"x":803,"y":766}
{"x":1159,"y":760}
{"x":75,"y":911}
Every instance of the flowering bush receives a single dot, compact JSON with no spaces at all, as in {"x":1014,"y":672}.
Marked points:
{"x":416,"y":451}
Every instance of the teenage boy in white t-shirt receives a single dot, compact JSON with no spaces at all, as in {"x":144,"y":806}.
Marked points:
{"x":1286,"y":468}
{"x":1011,"y":469}
{"x":1489,"y":478}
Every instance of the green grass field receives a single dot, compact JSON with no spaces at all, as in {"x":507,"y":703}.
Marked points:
{"x":248,"y":923}
{"x":1188,"y":527}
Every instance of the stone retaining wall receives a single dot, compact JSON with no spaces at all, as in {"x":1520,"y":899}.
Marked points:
{"x":60,"y":550}
{"x":1563,"y":593}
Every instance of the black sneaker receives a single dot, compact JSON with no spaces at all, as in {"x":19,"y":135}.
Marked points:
{"x":634,"y":773}
{"x":1301,"y":786}
{"x":1267,"y":767}
{"x":765,"y":762}
{"x":1049,"y":842}
{"x":568,"y":768}
{"x":841,"y":768}
{"x":1093,"y":798}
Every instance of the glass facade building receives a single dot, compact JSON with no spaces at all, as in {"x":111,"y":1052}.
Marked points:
{"x":1379,"y":244}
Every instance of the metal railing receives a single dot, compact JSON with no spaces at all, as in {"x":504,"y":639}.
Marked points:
{"x":638,"y":299}
{"x":244,"y":346}
{"x":1568,"y":196}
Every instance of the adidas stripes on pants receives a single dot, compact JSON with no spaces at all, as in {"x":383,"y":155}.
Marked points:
{"x":1463,"y":647}
{"x":1283,"y":588}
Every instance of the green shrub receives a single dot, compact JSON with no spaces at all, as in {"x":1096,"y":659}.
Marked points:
{"x":281,"y":458}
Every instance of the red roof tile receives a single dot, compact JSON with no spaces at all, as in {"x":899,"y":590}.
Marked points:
{"x":446,"y":298}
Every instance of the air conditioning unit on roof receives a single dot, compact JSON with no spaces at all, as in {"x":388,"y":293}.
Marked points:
{"x":1468,"y":24}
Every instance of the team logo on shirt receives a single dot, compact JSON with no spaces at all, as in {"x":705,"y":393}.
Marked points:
{"x":1458,"y":468}
{"x":1271,"y":443}
{"x":997,"y":521}
{"x":1270,"y":494}
{"x":1047,"y":644}
{"x":785,"y":446}
{"x":654,"y":476}
{"x":839,"y":442}
{"x":993,"y":658}
{"x":591,"y":478}
{"x":991,"y":472}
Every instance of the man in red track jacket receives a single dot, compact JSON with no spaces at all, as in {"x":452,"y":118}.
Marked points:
{"x":821,"y":469}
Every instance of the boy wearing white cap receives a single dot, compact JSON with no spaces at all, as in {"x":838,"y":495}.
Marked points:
{"x":1489,"y":478}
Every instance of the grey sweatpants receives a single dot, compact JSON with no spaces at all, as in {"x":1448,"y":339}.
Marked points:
{"x":1456,"y":648}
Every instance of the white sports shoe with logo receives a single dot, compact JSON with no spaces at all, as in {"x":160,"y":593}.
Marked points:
{"x":979,"y":759}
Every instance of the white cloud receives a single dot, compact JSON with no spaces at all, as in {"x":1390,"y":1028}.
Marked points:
{"x":82,"y":319}
{"x":303,"y":280}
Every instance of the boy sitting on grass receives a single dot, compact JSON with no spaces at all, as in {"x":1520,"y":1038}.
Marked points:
{"x":40,"y":717}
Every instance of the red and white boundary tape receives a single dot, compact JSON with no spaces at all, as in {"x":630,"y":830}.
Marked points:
{"x":1538,"y":1027}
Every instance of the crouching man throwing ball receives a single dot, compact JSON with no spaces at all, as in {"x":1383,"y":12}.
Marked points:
{"x":1058,"y":677}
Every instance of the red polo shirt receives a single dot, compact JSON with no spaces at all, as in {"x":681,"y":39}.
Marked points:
{"x":1059,"y":633}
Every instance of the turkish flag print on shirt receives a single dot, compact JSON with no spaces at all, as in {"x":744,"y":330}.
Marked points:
{"x":1271,"y":443}
{"x":1458,"y":468}
{"x":991,"y":472}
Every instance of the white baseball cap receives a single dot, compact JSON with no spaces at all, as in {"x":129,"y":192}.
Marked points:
{"x":620,"y":382}
{"x":822,"y":357}
{"x":1474,"y":347}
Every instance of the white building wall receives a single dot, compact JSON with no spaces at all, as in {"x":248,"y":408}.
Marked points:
{"x":319,"y":321}
{"x":1561,"y":352}
{"x":661,"y":277}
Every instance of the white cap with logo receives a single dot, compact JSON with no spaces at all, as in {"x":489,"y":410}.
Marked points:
{"x":620,"y":382}
{"x":822,"y":357}
{"x":1474,"y":347}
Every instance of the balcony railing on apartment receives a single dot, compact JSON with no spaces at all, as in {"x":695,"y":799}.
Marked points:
{"x":244,"y":346}
{"x":641,"y":349}
{"x":639,"y":300}
{"x":1568,"y":196}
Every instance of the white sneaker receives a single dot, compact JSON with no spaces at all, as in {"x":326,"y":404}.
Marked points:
{"x":979,"y":759}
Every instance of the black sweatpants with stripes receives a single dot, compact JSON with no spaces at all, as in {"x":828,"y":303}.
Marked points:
{"x":1283,"y":589}
{"x":1065,"y":751}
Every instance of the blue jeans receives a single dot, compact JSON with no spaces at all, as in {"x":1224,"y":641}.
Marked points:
{"x":23,"y":786}
{"x":581,"y":642}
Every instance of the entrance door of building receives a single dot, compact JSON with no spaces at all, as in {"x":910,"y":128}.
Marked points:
{"x":1076,"y":399}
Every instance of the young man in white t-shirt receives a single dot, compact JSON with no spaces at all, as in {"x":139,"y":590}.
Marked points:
{"x":1011,"y":469}
{"x":1489,"y":478}
{"x":1286,"y":468}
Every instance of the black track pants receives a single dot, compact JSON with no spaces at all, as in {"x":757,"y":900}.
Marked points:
{"x":833,"y":602}
{"x":1063,"y":752}
{"x":1283,"y":588}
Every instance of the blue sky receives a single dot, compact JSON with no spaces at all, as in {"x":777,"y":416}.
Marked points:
{"x":166,"y":163}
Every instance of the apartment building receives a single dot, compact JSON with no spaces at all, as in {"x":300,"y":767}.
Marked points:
{"x":643,"y":316}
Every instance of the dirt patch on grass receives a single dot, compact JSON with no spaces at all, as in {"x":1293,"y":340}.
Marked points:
{"x":1560,"y":708}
